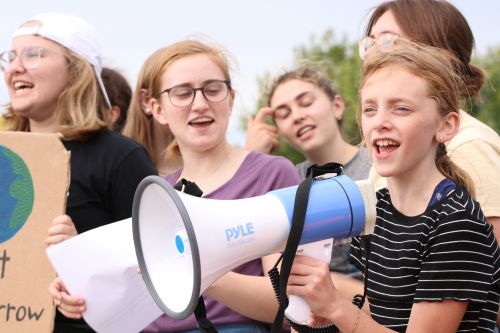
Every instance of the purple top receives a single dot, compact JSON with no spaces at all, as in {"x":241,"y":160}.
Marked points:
{"x":257,"y":175}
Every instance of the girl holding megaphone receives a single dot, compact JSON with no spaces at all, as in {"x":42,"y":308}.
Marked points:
{"x":432,"y":264}
{"x":192,"y":93}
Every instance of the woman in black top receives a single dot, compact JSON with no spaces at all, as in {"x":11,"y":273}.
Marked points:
{"x":52,"y":72}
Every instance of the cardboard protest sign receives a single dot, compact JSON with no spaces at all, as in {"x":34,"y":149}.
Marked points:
{"x":34,"y":180}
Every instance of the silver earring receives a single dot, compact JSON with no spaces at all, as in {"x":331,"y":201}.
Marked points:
{"x":147,"y":111}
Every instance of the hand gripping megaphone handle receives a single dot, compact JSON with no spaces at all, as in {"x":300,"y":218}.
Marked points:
{"x":298,"y":310}
{"x":298,"y":219}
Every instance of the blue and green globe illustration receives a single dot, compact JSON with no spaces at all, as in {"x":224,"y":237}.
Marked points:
{"x":16,"y":193}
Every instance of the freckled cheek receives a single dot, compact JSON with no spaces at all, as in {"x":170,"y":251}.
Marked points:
{"x":365,"y":128}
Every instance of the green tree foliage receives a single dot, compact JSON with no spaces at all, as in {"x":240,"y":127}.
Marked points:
{"x":340,"y":60}
{"x":487,"y":107}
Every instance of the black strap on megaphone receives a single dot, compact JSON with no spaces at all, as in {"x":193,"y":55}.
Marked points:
{"x":280,"y":280}
{"x":200,"y":312}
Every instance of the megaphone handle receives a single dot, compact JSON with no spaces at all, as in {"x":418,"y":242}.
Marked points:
{"x":298,"y":310}
{"x":297,"y":226}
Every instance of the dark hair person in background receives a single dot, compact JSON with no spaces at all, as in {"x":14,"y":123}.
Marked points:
{"x":120,"y":94}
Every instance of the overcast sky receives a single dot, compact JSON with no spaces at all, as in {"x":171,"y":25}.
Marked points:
{"x":260,"y":34}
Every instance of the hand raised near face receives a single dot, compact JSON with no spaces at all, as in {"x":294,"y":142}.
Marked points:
{"x":261,"y":136}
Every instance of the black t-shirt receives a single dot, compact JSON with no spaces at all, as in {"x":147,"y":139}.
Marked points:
{"x":105,"y":171}
{"x":448,"y":252}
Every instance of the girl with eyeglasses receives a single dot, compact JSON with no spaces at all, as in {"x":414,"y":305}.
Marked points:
{"x":142,"y":126}
{"x":54,"y":85}
{"x":192,"y":94}
{"x":190,"y":91}
{"x":432,"y":263}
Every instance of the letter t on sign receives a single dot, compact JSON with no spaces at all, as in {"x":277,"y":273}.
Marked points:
{"x":3,"y":260}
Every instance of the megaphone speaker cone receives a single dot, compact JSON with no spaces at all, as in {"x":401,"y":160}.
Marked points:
{"x":166,"y":247}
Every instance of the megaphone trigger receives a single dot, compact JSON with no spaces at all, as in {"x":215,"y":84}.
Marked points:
{"x":298,"y":310}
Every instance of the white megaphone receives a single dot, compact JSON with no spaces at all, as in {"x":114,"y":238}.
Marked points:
{"x":185,"y":243}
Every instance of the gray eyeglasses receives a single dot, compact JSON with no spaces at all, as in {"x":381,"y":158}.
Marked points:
{"x":214,"y":91}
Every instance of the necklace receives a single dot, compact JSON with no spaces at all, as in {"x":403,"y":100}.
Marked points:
{"x":204,"y":180}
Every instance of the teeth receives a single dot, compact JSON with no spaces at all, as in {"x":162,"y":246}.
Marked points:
{"x":385,"y":143}
{"x":304,"y":130}
{"x":22,"y":85}
{"x":201,"y":120}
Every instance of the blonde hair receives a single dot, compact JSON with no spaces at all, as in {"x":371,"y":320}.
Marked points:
{"x":81,"y":108}
{"x":181,"y":50}
{"x":437,"y":68}
{"x":139,"y":125}
{"x":184,"y":49}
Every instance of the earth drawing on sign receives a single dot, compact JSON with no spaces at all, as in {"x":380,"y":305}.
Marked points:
{"x":16,"y":193}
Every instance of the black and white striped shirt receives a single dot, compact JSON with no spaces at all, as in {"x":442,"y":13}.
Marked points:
{"x":448,"y":252}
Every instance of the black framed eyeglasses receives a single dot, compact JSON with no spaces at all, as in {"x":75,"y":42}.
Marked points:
{"x":214,"y":91}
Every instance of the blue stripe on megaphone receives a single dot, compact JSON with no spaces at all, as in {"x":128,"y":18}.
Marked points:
{"x":335,"y":209}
